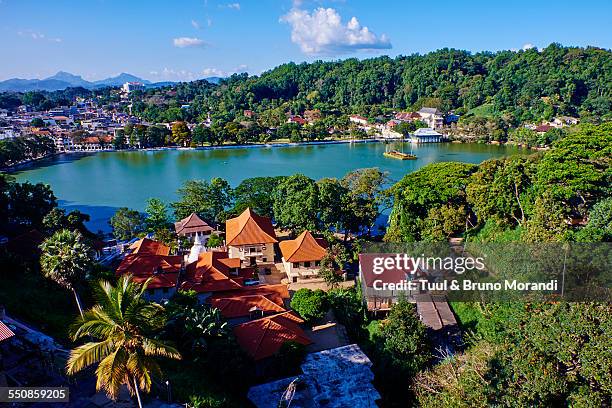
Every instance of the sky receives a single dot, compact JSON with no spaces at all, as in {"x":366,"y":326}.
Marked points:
{"x":184,"y":40}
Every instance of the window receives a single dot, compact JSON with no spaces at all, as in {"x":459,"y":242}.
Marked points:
{"x":165,"y":290}
{"x":264,"y":259}
{"x":296,"y":264}
{"x":306,"y":264}
{"x":317,"y":263}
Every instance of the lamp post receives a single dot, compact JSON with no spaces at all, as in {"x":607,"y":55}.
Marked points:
{"x":169,"y":388}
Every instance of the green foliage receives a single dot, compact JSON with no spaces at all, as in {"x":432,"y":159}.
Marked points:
{"x":433,"y":186}
{"x":403,"y":339}
{"x":207,"y":200}
{"x":127,"y":223}
{"x":120,"y":331}
{"x":258,"y":194}
{"x":310,"y":304}
{"x":296,"y":203}
{"x":214,"y":240}
{"x":529,"y":355}
{"x":57,"y":219}
{"x":156,"y":218}
{"x":21,"y":149}
{"x":181,"y":134}
{"x":66,"y":258}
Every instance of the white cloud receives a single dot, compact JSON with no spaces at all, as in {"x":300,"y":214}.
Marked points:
{"x":184,"y":42}
{"x":195,"y":24}
{"x":528,"y":46}
{"x":233,"y":6}
{"x":169,"y":74}
{"x":208,"y":72}
{"x":37,"y":36}
{"x":322,"y":32}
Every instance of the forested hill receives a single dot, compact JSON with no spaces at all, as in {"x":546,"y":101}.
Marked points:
{"x":523,"y":85}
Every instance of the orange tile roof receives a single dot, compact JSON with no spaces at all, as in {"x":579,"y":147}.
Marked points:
{"x":249,"y":228}
{"x":277,"y":293}
{"x":163,"y":269}
{"x":210,"y":273}
{"x":240,"y":306}
{"x":264,"y":337}
{"x":146,"y":246}
{"x":303,"y":249}
{"x":191,"y":224}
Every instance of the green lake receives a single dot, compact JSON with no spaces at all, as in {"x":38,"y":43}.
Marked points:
{"x":100,"y":183}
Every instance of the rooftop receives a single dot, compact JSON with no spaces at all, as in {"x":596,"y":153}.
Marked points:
{"x":304,"y":248}
{"x":191,"y":224}
{"x":249,"y":228}
{"x":335,"y":378}
{"x":264,"y":337}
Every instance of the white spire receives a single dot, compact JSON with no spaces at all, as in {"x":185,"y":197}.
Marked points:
{"x":196,"y":249}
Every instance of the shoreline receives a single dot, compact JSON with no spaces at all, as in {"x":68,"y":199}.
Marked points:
{"x":32,"y":162}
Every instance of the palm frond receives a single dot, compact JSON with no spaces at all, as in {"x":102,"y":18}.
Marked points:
{"x":88,"y":354}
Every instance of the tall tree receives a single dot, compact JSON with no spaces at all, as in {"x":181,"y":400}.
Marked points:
{"x":124,"y":326}
{"x":156,"y":215}
{"x":127,"y":223}
{"x":66,"y":259}
{"x":296,"y":203}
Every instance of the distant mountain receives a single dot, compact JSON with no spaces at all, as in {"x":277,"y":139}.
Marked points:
{"x":120,"y":80}
{"x":73,"y":80}
{"x":63,"y":80}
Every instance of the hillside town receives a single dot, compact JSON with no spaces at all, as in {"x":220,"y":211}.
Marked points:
{"x":87,"y":126}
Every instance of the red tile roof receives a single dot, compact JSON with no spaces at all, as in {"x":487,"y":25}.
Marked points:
{"x":211,"y":273}
{"x":264,"y":337}
{"x":277,"y":293}
{"x":543,"y":128}
{"x":191,"y":224}
{"x":240,"y":306}
{"x":304,"y":248}
{"x":163,"y":269}
{"x":5,"y":332}
{"x":146,"y":246}
{"x":249,"y":228}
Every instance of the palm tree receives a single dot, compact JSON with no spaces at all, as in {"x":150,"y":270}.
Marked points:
{"x":122,"y":322}
{"x":66,"y":259}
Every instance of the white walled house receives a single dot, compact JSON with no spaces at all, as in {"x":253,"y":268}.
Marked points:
{"x":302,"y":256}
{"x":250,"y":238}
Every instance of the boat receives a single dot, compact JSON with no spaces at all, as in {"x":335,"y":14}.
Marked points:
{"x":394,"y":154}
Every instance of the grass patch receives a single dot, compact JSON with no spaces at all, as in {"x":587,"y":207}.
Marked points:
{"x":485,"y":110}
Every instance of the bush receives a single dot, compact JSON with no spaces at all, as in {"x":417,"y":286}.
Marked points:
{"x":310,"y":304}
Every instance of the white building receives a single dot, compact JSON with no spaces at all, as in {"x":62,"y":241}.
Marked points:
{"x":427,"y":135}
{"x":432,"y":116}
{"x":132,"y":86}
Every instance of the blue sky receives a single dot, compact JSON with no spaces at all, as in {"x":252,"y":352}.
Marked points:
{"x":189,"y":39}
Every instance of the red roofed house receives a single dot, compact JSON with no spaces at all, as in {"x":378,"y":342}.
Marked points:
{"x":250,"y":238}
{"x":302,"y":256}
{"x":296,"y":119}
{"x":543,"y":128}
{"x":262,"y":338}
{"x":151,"y":260}
{"x":215,"y":272}
{"x":239,"y":309}
{"x":407,"y":116}
{"x":192,"y":226}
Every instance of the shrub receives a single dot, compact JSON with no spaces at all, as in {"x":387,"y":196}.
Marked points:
{"x":310,"y":304}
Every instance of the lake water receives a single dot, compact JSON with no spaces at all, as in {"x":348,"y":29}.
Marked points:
{"x":100,"y":183}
